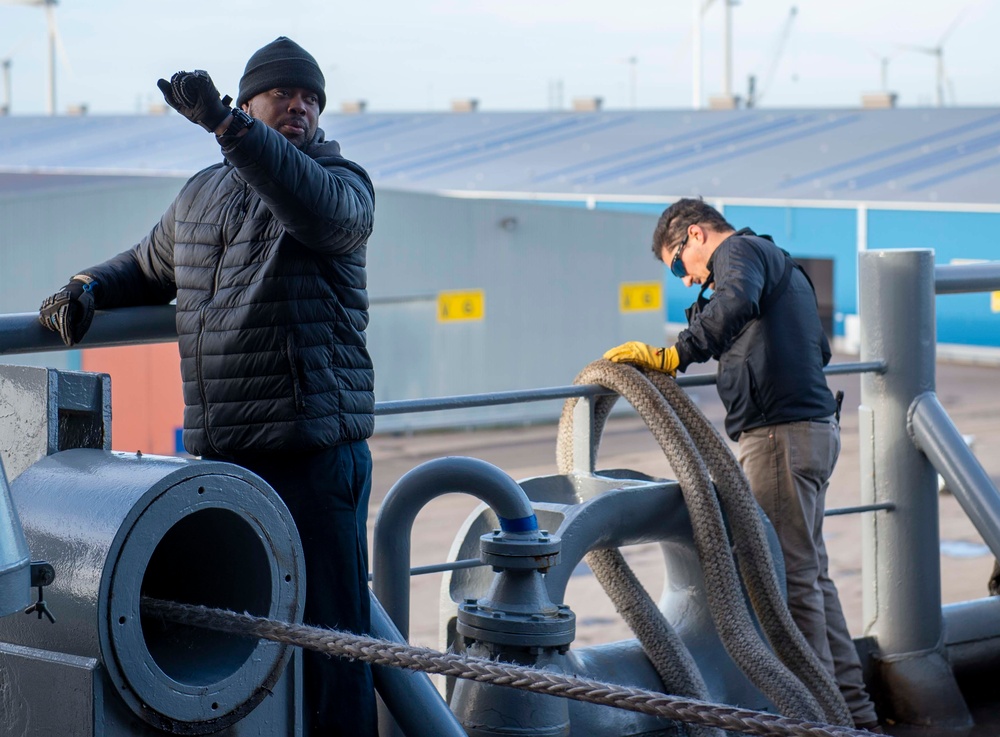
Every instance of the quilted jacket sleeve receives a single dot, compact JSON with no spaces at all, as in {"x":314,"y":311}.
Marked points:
{"x":739,"y":272}
{"x":325,"y":203}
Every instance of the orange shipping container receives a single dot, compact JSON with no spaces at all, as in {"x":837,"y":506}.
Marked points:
{"x":147,"y":407}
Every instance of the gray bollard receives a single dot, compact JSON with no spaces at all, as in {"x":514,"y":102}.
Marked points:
{"x":902,"y":587}
{"x":120,"y":526}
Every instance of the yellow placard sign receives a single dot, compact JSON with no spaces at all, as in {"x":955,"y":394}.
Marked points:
{"x":637,"y":296}
{"x":995,"y":301}
{"x":469,"y":305}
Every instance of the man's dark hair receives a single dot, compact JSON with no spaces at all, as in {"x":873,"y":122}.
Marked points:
{"x":681,"y":215}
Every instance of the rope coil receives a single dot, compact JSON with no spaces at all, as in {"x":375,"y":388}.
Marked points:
{"x":790,"y":675}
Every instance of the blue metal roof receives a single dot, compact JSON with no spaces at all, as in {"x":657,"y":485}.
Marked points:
{"x":914,"y":155}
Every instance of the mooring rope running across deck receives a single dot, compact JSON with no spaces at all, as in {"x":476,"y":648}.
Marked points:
{"x":383,"y":652}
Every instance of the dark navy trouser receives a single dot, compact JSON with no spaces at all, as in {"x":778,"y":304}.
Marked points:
{"x":327,"y":493}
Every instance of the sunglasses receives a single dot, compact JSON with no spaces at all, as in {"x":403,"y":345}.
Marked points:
{"x":677,"y":267}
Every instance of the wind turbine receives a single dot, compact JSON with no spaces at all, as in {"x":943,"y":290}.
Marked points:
{"x":883,"y":65}
{"x":50,"y":18}
{"x":937,"y":52}
{"x":632,"y":61}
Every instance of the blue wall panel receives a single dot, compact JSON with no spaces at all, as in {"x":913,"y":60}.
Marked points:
{"x":961,"y":318}
{"x":645,"y":207}
{"x":802,"y":231}
{"x":832,"y":233}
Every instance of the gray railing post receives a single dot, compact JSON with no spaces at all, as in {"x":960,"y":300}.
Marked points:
{"x":902,"y":573}
{"x":584,"y":419}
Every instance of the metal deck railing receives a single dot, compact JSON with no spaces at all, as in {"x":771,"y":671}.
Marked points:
{"x":20,"y":334}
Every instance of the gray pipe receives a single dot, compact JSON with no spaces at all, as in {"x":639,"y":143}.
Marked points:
{"x":417,"y":707}
{"x":960,"y":278}
{"x":22,"y":333}
{"x":902,"y":573}
{"x":394,"y":525}
{"x":935,"y":434}
{"x":972,"y":636}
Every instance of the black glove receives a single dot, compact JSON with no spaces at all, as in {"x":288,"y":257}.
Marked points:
{"x":193,"y":95}
{"x":69,"y":312}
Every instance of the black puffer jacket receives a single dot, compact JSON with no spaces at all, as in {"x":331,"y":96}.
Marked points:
{"x":266,"y":256}
{"x":766,"y":334}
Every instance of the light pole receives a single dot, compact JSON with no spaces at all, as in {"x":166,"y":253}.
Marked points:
{"x":632,"y":79}
{"x":50,"y":20}
{"x":5,"y":109}
{"x":727,"y":78}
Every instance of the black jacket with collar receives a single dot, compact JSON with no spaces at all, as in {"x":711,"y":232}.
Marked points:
{"x":766,"y":334}
{"x":265,"y":254}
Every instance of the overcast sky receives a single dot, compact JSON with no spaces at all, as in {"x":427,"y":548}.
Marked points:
{"x":418,"y":55}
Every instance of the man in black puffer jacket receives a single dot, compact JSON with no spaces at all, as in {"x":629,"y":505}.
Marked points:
{"x":265,"y":253}
{"x":762,"y":325}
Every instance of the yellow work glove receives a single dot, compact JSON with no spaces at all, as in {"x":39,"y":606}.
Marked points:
{"x":665,"y":360}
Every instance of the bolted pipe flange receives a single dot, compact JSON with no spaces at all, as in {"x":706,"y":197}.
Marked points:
{"x":553,"y":628}
{"x":517,"y":611}
{"x":534,"y":550}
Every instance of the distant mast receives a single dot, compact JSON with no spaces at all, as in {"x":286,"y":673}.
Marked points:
{"x":696,"y":55}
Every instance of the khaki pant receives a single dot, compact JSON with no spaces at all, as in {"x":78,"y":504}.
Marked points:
{"x":789,"y":468}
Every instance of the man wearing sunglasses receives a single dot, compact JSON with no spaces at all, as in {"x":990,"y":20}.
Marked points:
{"x":762,"y":325}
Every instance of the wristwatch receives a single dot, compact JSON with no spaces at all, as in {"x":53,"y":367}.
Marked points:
{"x":89,"y":282}
{"x":241,"y":121}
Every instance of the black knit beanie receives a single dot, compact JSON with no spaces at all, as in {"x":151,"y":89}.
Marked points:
{"x":282,"y":63}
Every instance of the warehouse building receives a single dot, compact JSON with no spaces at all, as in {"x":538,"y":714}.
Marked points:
{"x":511,"y":248}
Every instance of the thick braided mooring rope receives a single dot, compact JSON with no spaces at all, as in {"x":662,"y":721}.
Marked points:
{"x":383,"y":652}
{"x":667,"y":653}
{"x":680,"y":429}
{"x":753,"y":555}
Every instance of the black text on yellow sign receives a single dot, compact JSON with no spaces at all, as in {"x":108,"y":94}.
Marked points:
{"x":469,"y":305}
{"x":638,"y":296}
